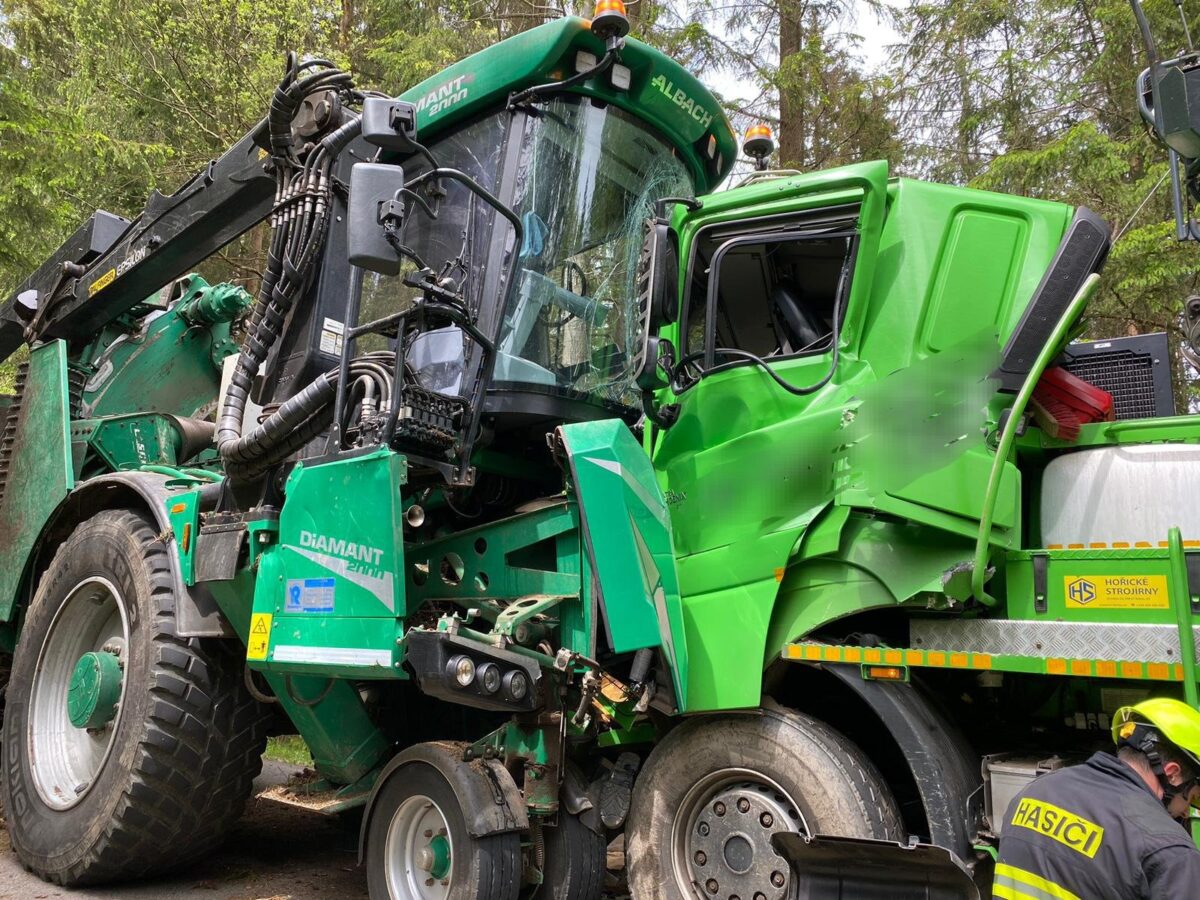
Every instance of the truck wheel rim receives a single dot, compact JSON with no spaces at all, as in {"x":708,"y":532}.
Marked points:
{"x":721,"y":836}
{"x":418,"y":852}
{"x":65,"y":760}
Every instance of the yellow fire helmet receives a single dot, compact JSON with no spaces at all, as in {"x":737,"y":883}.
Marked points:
{"x":1175,"y":720}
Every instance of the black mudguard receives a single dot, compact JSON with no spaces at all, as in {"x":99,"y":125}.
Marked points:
{"x":946,"y":771}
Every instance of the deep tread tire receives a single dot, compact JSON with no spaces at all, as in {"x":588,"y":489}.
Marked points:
{"x":576,"y":860}
{"x":482,"y":868}
{"x":188,"y":742}
{"x":838,"y":790}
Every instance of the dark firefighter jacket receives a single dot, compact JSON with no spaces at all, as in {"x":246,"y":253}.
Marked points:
{"x":1094,"y":832}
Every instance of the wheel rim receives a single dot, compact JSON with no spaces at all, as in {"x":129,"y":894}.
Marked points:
{"x":90,"y":626}
{"x":721,"y":837}
{"x":418,"y":852}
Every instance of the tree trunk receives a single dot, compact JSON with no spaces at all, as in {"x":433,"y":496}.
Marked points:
{"x":793,"y":129}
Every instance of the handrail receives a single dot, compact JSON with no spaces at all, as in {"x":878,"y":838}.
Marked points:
{"x":1049,"y":350}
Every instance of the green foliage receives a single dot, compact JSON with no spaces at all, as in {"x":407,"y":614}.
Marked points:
{"x":103,"y":101}
{"x":289,"y":748}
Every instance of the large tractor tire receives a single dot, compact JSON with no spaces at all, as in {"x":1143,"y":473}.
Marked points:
{"x":418,"y":846}
{"x":716,"y":789}
{"x":126,"y":749}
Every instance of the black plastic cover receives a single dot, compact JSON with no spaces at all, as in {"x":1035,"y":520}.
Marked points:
{"x":825,"y":867}
{"x":1082,"y":251}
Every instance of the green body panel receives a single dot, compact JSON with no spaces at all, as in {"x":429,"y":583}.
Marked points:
{"x":40,"y":474}
{"x":899,"y":430}
{"x":345,"y":743}
{"x":330,"y":583}
{"x":628,"y":537}
{"x":661,"y":91}
{"x":184,"y":514}
{"x":1143,"y":571}
{"x":171,"y":363}
{"x":521,"y":556}
{"x":129,"y":441}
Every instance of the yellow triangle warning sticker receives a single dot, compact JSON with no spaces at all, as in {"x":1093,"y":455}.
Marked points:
{"x":260,"y":636}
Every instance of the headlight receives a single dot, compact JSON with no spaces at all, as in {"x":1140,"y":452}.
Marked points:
{"x":461,"y":669}
{"x":489,"y":677}
{"x":516,"y":684}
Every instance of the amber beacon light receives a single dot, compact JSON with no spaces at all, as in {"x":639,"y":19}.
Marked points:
{"x":759,"y":144}
{"x":609,"y":21}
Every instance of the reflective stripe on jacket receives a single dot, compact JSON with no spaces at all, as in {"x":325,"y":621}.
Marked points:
{"x":1093,"y":832}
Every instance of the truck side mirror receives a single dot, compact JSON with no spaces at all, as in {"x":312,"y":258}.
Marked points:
{"x":389,"y":124}
{"x":661,"y":274}
{"x":374,"y":211}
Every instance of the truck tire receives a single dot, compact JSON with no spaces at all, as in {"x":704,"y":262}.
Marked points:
{"x":576,"y":860}
{"x":418,"y":847}
{"x":714,"y":790}
{"x":170,"y":740}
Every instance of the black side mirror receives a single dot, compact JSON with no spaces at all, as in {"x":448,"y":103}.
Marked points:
{"x":375,"y":209}
{"x":389,"y":124}
{"x":1177,"y":117}
{"x":662,"y":274}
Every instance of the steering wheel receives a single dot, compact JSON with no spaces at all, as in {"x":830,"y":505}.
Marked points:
{"x":569,"y":267}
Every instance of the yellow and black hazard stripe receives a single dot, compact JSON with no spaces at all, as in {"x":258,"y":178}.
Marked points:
{"x":1012,"y":883}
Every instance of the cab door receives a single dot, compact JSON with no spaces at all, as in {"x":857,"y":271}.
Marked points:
{"x":775,"y":282}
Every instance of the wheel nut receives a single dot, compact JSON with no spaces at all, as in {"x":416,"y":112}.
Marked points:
{"x":700,"y":858}
{"x":759,"y":895}
{"x":777,"y":879}
{"x":767,"y":820}
{"x":743,"y":805}
{"x":719,"y":808}
{"x":702,"y":828}
{"x":712,"y":885}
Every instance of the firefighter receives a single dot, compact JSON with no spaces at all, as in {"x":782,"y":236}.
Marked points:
{"x":1111,"y":828}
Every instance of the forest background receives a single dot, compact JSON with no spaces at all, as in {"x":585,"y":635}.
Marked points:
{"x":102,"y":101}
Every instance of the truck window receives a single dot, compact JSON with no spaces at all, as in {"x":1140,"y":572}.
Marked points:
{"x":775,"y":292}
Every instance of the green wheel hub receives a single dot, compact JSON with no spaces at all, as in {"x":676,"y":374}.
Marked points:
{"x":94,"y":691}
{"x":437,"y":855}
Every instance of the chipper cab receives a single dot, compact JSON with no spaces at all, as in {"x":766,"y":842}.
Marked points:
{"x":408,"y":516}
{"x":546,"y":493}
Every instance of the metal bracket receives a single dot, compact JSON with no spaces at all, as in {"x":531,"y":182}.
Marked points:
{"x":1040,"y":564}
{"x":521,"y":611}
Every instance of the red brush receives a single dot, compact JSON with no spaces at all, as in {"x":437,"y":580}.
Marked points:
{"x":1062,"y":404}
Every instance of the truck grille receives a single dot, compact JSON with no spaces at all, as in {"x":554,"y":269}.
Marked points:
{"x":1135,"y":370}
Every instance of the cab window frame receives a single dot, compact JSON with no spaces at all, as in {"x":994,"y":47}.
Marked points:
{"x":829,"y":222}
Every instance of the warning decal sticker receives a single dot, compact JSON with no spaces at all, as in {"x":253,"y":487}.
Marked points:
{"x":1116,"y":592}
{"x":260,"y":636}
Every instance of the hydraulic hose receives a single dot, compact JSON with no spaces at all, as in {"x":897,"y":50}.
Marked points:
{"x":299,"y":223}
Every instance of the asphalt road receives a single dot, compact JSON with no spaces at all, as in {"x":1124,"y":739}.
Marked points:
{"x":276,"y":852}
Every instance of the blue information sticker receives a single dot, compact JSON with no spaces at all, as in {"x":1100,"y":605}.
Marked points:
{"x":309,"y":595}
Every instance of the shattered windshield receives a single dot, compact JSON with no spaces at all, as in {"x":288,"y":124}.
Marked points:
{"x":588,"y":176}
